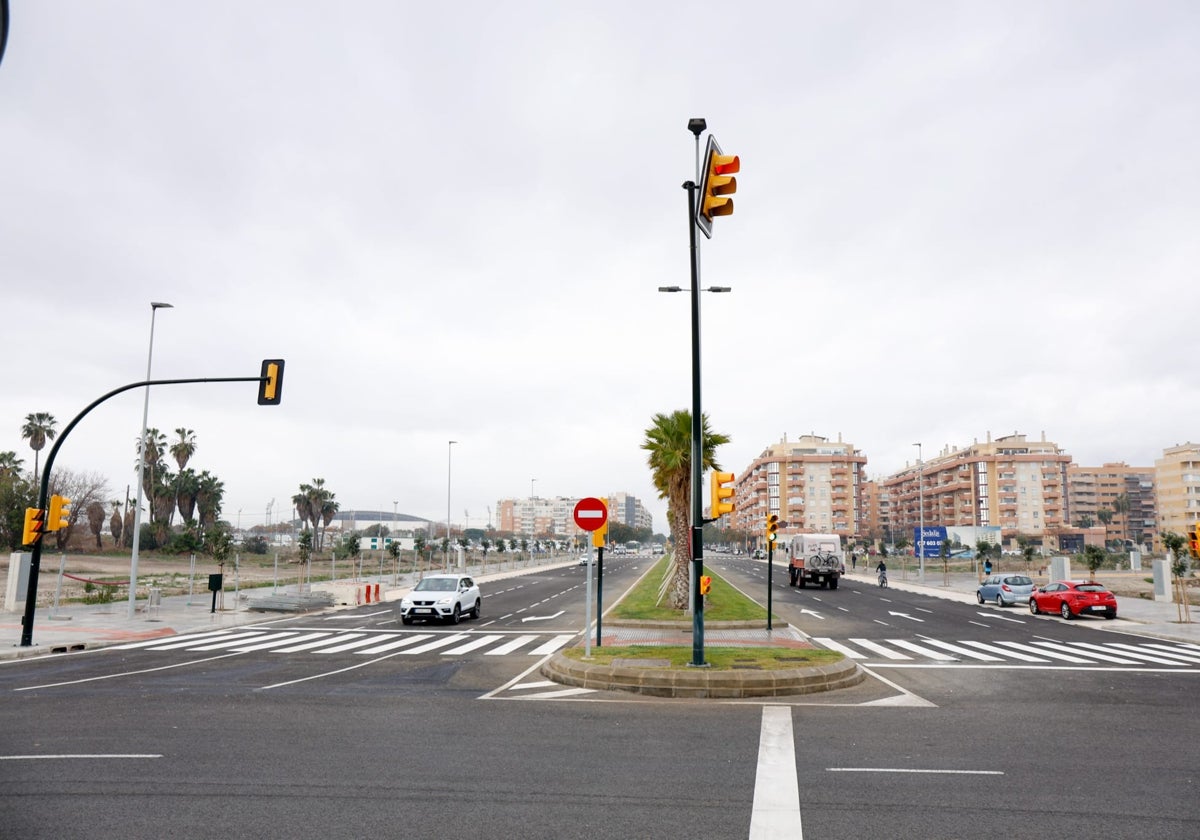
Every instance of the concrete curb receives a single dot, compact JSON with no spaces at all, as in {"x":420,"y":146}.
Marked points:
{"x":656,"y":681}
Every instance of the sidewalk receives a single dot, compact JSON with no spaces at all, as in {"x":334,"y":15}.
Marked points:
{"x":79,"y":627}
{"x":1134,"y":615}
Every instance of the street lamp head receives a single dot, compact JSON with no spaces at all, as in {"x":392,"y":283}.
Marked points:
{"x":670,"y":289}
{"x":696,"y":125}
{"x":719,"y":289}
{"x":155,"y":304}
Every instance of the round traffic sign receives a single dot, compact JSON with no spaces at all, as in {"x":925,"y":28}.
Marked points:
{"x":590,"y":514}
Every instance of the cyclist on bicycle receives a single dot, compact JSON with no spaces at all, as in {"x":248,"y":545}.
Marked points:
{"x":881,"y":570}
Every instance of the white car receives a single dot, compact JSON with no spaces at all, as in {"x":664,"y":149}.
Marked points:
{"x":441,"y":597}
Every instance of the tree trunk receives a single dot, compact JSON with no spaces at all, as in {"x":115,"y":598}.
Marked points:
{"x":680,"y":576}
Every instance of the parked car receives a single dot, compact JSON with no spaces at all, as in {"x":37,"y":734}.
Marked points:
{"x":1005,"y":589}
{"x":441,"y":597}
{"x":1071,"y":598}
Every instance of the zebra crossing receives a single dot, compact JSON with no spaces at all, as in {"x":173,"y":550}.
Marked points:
{"x":1033,"y":652}
{"x":357,"y":642}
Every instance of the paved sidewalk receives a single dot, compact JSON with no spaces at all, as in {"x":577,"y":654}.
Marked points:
{"x":81,"y":627}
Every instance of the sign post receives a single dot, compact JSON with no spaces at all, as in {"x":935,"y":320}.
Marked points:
{"x":591,"y":514}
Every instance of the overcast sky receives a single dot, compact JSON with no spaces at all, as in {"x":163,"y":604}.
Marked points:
{"x":451,"y":220}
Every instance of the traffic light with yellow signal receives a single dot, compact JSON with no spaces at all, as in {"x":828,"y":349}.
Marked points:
{"x":716,"y":184}
{"x":270,"y":386}
{"x":1194,"y":542}
{"x":35,"y":520}
{"x":705,"y":584}
{"x":600,"y":535}
{"x":59,"y":516}
{"x":772,"y":527}
{"x":721,"y":496}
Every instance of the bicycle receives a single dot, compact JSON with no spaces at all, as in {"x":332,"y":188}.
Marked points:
{"x":883,"y":580}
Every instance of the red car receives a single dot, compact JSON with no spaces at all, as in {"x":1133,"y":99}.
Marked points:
{"x":1071,"y":598}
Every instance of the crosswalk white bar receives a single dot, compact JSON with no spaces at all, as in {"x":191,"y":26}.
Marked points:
{"x":1177,"y":651}
{"x":1153,"y":656}
{"x":1053,"y":654}
{"x":474,"y":644}
{"x":315,"y":640}
{"x":923,"y":651}
{"x":1011,"y":654}
{"x":848,"y":652}
{"x":1093,"y":652}
{"x":275,"y":640}
{"x":161,"y":641}
{"x":509,"y":647}
{"x":356,"y":643}
{"x":552,"y":645}
{"x":962,"y":651}
{"x":394,"y":644}
{"x":444,"y":641}
{"x":241,"y":639}
{"x":888,"y":653}
{"x":566,"y":692}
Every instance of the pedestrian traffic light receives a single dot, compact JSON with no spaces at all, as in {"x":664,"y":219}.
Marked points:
{"x":721,"y":497}
{"x":270,"y":386}
{"x":35,"y":518}
{"x":705,"y":584}
{"x":772,"y":527}
{"x":716,"y":183}
{"x":60,"y":513}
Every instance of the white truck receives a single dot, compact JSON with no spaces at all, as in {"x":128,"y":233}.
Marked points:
{"x":817,"y":559}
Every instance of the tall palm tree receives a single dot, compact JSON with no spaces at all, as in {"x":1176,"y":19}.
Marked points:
{"x":209,"y":498}
{"x":38,"y":428}
{"x":187,"y":488}
{"x":10,"y":464}
{"x":1120,"y":506}
{"x":669,"y":442}
{"x":114,"y":524}
{"x":95,"y":515}
{"x":151,"y":451}
{"x":182,"y":451}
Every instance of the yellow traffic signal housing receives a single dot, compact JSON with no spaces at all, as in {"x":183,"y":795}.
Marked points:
{"x":721,"y":497}
{"x":772,"y":527}
{"x":34,"y":521}
{"x":270,"y":388}
{"x":717,"y":182}
{"x":1194,"y":547}
{"x":705,"y":584}
{"x":60,"y":513}
{"x":600,"y":535}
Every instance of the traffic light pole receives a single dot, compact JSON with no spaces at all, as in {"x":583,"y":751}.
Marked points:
{"x":35,"y":561}
{"x":770,"y":581}
{"x":697,"y":439}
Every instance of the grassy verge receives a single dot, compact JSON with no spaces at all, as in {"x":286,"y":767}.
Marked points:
{"x":724,"y":603}
{"x":717,"y":658}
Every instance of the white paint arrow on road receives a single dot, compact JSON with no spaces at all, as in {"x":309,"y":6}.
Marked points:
{"x":813,"y":614}
{"x":1001,"y":617}
{"x":542,"y":617}
{"x":906,"y":615}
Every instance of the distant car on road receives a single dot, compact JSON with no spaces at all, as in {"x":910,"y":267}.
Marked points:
{"x":443,"y":598}
{"x":1071,"y":598}
{"x":583,"y":559}
{"x":1005,"y":589}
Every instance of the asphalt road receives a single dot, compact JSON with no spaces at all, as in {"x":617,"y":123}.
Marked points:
{"x":256,"y":740}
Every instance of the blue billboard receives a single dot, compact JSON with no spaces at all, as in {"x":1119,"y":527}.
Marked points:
{"x":928,"y":541}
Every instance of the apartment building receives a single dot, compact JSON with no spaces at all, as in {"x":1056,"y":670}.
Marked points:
{"x":555,"y":516}
{"x":812,"y":484}
{"x":1117,"y":496}
{"x":1011,"y":483}
{"x":1177,"y":489}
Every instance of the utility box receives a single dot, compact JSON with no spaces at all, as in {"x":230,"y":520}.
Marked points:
{"x":18,"y":580}
{"x":215,"y":583}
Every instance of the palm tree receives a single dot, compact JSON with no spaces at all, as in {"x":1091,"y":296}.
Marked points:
{"x":38,"y":428}
{"x":209,"y":496}
{"x":114,"y":524}
{"x":151,"y":452}
{"x":669,"y":442}
{"x":1120,"y":506}
{"x":10,"y":464}
{"x":95,"y":515}
{"x":182,"y":451}
{"x":187,"y":487}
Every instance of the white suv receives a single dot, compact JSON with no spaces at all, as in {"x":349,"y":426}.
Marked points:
{"x":444,"y":597}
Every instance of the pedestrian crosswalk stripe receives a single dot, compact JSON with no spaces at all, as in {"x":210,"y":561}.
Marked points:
{"x":509,"y":647}
{"x":1191,"y":654}
{"x":848,"y":652}
{"x":1095,"y":652}
{"x":403,"y":641}
{"x":982,"y":657}
{"x":478,"y":642}
{"x":935,"y":655}
{"x":226,"y":643}
{"x":1053,"y":654}
{"x":1160,"y":658}
{"x":880,"y":649}
{"x":552,"y":645}
{"x":1011,"y":654}
{"x":174,"y":642}
{"x":278,"y":641}
{"x":351,"y":645}
{"x":1041,"y":651}
{"x":317,"y":639}
{"x":435,"y":644}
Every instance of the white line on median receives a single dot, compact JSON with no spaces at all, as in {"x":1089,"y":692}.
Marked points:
{"x":776,"y":811}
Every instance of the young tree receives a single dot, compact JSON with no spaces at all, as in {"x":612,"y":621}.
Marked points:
{"x":1093,"y":558}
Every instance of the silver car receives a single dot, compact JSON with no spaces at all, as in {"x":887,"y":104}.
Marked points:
{"x":442,"y":597}
{"x":1005,"y":589}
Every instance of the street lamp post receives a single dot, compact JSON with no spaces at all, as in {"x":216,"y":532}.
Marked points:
{"x":532,"y":518}
{"x":449,"y":454}
{"x":137,"y":511}
{"x":920,"y":512}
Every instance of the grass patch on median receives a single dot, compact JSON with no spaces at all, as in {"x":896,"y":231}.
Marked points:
{"x":717,"y":658}
{"x":724,"y":603}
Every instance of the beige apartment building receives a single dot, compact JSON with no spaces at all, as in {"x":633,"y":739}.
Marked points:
{"x":549,"y":517}
{"x":1011,"y":482}
{"x":1177,"y":486}
{"x":811,"y":483}
{"x":1116,"y":496}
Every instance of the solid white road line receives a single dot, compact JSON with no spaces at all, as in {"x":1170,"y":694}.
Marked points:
{"x":776,"y":813}
{"x":79,"y":755}
{"x":914,"y":770}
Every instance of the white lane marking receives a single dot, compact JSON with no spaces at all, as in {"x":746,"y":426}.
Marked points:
{"x":277,"y":641}
{"x":962,"y":651}
{"x":880,"y":649}
{"x":509,"y":647}
{"x":395,"y":643}
{"x":1103,"y":657}
{"x":195,"y":637}
{"x":850,"y":653}
{"x":128,"y":673}
{"x":537,"y":684}
{"x":322,"y":640}
{"x":1011,"y":654}
{"x":552,"y":645}
{"x":351,"y":645}
{"x":914,"y":770}
{"x":477,"y":642}
{"x":434,"y":645}
{"x":1162,"y":659}
{"x":922,"y":651}
{"x":993,"y":614}
{"x":807,"y":611}
{"x":1053,"y":654}
{"x":566,"y":692}
{"x":906,"y":615}
{"x":79,"y":755}
{"x":542,"y":617}
{"x":342,"y":616}
{"x":776,"y":811}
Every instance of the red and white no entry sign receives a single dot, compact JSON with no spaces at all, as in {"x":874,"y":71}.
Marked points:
{"x":590,"y":514}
